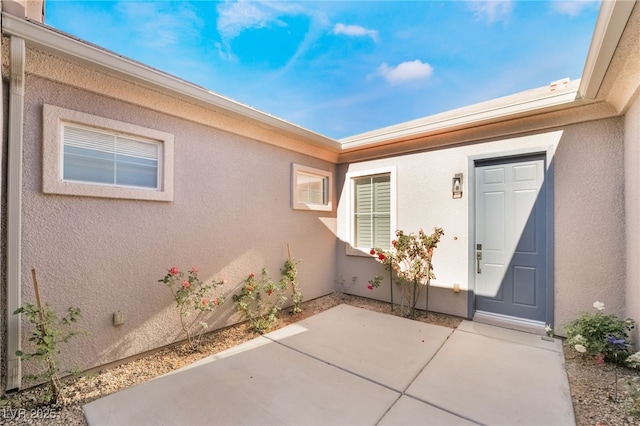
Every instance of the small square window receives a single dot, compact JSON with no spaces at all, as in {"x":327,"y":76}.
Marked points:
{"x":94,"y":156}
{"x":311,"y":188}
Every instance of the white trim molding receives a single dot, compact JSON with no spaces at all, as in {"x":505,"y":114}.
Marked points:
{"x":610,"y":25}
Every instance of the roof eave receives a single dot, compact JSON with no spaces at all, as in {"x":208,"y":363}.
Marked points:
{"x":494,"y":111}
{"x":48,"y":39}
{"x":611,"y":23}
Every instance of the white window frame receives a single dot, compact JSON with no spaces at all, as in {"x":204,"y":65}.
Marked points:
{"x":56,"y":118}
{"x":350,"y":177}
{"x":324,"y":175}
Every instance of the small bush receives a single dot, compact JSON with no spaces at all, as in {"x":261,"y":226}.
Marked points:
{"x":601,"y":335}
{"x":290,"y":279}
{"x":633,"y":402}
{"x":48,"y":331}
{"x":194,"y":298}
{"x":260,"y":300}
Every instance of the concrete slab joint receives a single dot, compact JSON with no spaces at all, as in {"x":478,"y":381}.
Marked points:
{"x":353,"y":366}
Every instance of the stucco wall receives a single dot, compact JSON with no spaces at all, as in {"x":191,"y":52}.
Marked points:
{"x":589,"y":216}
{"x":230,"y":216}
{"x":589,"y":220}
{"x":632,"y":210}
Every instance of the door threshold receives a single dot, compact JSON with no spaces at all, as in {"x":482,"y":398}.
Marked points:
{"x":513,"y":323}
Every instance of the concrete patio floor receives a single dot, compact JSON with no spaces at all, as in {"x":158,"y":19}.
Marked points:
{"x":352,"y":366}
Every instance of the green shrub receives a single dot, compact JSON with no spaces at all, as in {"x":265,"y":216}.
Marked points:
{"x":260,"y":300}
{"x":290,"y":279}
{"x":48,"y":331}
{"x":633,"y":402}
{"x":601,"y":335}
{"x":194,"y":299}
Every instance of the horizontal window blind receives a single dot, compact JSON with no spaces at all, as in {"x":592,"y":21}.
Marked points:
{"x":99,"y":157}
{"x":372,"y":211}
{"x":312,"y":189}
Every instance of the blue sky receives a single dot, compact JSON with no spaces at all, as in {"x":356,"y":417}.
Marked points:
{"x":340,"y":68}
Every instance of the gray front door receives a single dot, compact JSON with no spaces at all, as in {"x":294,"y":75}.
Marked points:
{"x":511,"y":238}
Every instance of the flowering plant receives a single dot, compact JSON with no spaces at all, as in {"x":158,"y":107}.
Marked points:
{"x":633,"y":361}
{"x":548,"y":330}
{"x":374,"y":282}
{"x":290,"y":278}
{"x":260,"y":300}
{"x":48,"y":333}
{"x":194,"y":299}
{"x":410,"y":260}
{"x":602,"y":336}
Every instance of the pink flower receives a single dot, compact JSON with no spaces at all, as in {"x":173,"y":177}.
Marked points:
{"x":173,"y":271}
{"x":394,"y":242}
{"x":194,"y":270}
{"x":205,"y":302}
{"x":269,"y":292}
{"x":252,"y":275}
{"x":381,"y":257}
{"x":370,"y":287}
{"x":186,"y":284}
{"x":372,"y":252}
{"x":216,"y":301}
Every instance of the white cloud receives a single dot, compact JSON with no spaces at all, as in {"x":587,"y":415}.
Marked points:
{"x":161,"y":24}
{"x":572,"y":7}
{"x":491,"y":10}
{"x":235,"y":17}
{"x":406,"y":71}
{"x":355,"y":31}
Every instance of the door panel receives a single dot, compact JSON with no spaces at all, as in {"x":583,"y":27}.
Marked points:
{"x":511,"y":228}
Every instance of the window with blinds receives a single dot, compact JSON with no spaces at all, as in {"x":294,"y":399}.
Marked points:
{"x":311,"y":188}
{"x":372,"y":211}
{"x":104,"y":158}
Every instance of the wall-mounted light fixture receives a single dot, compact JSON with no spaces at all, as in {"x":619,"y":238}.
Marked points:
{"x":456,"y":187}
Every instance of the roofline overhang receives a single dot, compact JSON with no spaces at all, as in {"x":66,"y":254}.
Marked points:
{"x":51,"y":40}
{"x":496,"y":110}
{"x":612,"y":19}
{"x":611,"y":22}
{"x":610,"y":25}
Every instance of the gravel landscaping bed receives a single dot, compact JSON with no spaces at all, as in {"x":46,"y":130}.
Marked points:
{"x":592,"y":385}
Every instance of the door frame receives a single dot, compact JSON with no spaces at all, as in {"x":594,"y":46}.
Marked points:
{"x":515,"y":155}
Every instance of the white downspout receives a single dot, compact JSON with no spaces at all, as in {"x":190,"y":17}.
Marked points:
{"x":14,"y":210}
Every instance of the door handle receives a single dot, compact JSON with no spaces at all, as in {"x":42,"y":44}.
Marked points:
{"x":479,"y":257}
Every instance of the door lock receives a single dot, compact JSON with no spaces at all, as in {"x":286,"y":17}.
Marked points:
{"x":479,"y":257}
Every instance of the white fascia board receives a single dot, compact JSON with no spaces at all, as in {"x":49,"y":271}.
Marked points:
{"x":500,"y":112}
{"x":612,"y":20}
{"x":52,"y":40}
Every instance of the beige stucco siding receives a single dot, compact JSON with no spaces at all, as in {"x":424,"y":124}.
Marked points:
{"x":632,"y":210}
{"x":230,"y":216}
{"x":589,"y":220}
{"x":589,"y":216}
